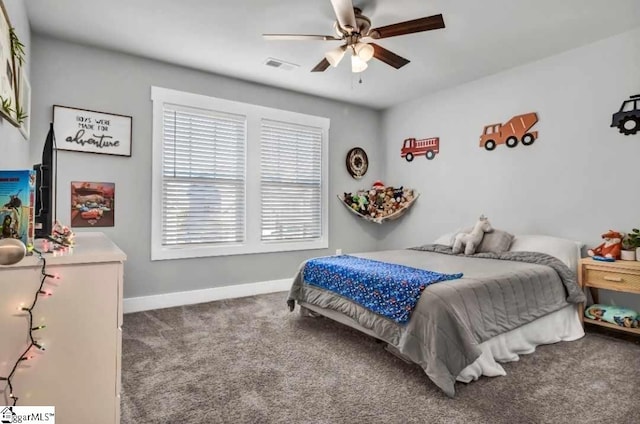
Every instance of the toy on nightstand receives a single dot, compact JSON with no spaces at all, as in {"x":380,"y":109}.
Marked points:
{"x":611,"y":247}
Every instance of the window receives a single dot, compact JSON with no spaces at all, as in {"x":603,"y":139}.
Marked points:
{"x":203,"y":181}
{"x":234,"y":178}
{"x":290,"y":181}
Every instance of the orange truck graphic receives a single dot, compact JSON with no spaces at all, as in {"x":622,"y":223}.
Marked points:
{"x":427,"y":147}
{"x":513,"y":131}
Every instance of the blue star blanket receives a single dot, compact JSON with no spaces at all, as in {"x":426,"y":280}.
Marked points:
{"x":390,"y":290}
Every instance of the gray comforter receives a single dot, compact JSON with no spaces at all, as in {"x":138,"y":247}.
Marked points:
{"x":499,"y":292}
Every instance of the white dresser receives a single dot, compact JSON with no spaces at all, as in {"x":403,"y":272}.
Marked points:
{"x":79,"y":372}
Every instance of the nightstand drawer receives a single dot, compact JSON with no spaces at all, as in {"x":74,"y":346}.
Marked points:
{"x":612,"y":280}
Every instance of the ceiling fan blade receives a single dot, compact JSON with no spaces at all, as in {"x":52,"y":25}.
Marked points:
{"x":388,"y":57}
{"x":295,"y":37}
{"x":322,"y":66}
{"x":408,"y":27}
{"x":344,"y":13}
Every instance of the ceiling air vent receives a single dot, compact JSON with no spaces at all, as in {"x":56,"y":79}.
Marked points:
{"x":280,"y":64}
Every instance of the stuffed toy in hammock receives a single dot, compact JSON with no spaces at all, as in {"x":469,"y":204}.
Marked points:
{"x":623,"y":317}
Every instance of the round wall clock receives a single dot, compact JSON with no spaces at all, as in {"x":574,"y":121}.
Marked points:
{"x":357,"y":162}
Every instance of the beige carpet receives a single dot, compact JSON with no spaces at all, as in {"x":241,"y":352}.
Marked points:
{"x":251,"y":361}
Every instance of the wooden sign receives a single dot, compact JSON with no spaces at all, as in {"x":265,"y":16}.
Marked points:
{"x":90,"y":131}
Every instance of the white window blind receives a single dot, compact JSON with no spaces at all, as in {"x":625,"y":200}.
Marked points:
{"x":203,"y":176}
{"x":290,"y":181}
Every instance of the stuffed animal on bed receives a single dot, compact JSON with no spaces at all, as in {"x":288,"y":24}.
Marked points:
{"x":623,"y":317}
{"x":611,"y":247}
{"x":472,"y":240}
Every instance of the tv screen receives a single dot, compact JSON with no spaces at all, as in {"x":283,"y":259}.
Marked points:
{"x":44,"y":188}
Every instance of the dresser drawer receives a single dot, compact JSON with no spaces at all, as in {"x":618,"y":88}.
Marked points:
{"x":612,"y":280}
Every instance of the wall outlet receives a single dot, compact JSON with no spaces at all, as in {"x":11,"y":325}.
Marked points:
{"x":338,"y":251}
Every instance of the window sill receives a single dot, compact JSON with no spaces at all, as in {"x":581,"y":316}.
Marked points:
{"x":159,"y":253}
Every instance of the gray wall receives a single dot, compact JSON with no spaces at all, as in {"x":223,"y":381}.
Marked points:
{"x":14,"y":149}
{"x":579,"y":179}
{"x":92,"y":78}
{"x":576,"y":181}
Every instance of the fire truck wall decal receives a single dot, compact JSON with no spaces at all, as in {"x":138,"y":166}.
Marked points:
{"x":427,"y":147}
{"x":515,"y":130}
{"x":627,"y":119}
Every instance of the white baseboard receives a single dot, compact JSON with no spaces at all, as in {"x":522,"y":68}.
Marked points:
{"x":168,"y":300}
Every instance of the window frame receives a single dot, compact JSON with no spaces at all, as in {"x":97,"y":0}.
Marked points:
{"x":252,"y":238}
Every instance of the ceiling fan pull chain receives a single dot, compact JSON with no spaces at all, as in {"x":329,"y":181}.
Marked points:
{"x":355,"y":78}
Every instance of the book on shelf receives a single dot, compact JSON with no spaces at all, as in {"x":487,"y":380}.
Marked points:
{"x":17,"y":204}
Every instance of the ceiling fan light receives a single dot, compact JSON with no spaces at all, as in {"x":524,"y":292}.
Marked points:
{"x":334,"y":56}
{"x":364,"y":51}
{"x":357,"y":64}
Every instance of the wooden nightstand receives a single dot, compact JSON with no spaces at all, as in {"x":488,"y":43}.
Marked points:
{"x":621,"y":276}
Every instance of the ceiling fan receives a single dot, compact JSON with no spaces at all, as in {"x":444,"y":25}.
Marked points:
{"x":354,"y":29}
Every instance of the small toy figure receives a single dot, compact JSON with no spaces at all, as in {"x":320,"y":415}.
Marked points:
{"x":611,"y":247}
{"x":378,"y":185}
{"x":61,"y":234}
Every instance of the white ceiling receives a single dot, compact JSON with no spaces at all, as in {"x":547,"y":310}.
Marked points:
{"x":224,"y":37}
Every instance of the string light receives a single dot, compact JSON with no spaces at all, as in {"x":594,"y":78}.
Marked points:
{"x":32,"y":342}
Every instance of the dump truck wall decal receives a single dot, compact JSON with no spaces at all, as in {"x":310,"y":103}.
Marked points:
{"x":627,"y":119}
{"x":512,"y":132}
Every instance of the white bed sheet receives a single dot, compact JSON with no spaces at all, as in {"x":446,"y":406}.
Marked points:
{"x":562,"y":325}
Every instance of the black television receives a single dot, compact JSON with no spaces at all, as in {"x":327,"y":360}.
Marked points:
{"x":45,"y":183}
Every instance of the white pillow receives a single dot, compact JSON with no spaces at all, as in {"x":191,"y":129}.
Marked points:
{"x":568,"y":251}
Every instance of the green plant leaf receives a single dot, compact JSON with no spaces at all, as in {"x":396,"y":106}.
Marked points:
{"x":6,"y":105}
{"x":17,"y":48}
{"x":20,"y":115}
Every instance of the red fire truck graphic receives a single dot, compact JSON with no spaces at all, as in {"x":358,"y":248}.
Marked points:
{"x":427,"y":147}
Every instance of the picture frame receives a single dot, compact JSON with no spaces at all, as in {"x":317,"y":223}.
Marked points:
{"x":92,"y":204}
{"x":24,"y":102}
{"x":91,"y":131}
{"x":8,"y":79}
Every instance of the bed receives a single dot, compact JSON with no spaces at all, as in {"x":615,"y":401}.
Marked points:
{"x":505,"y":304}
